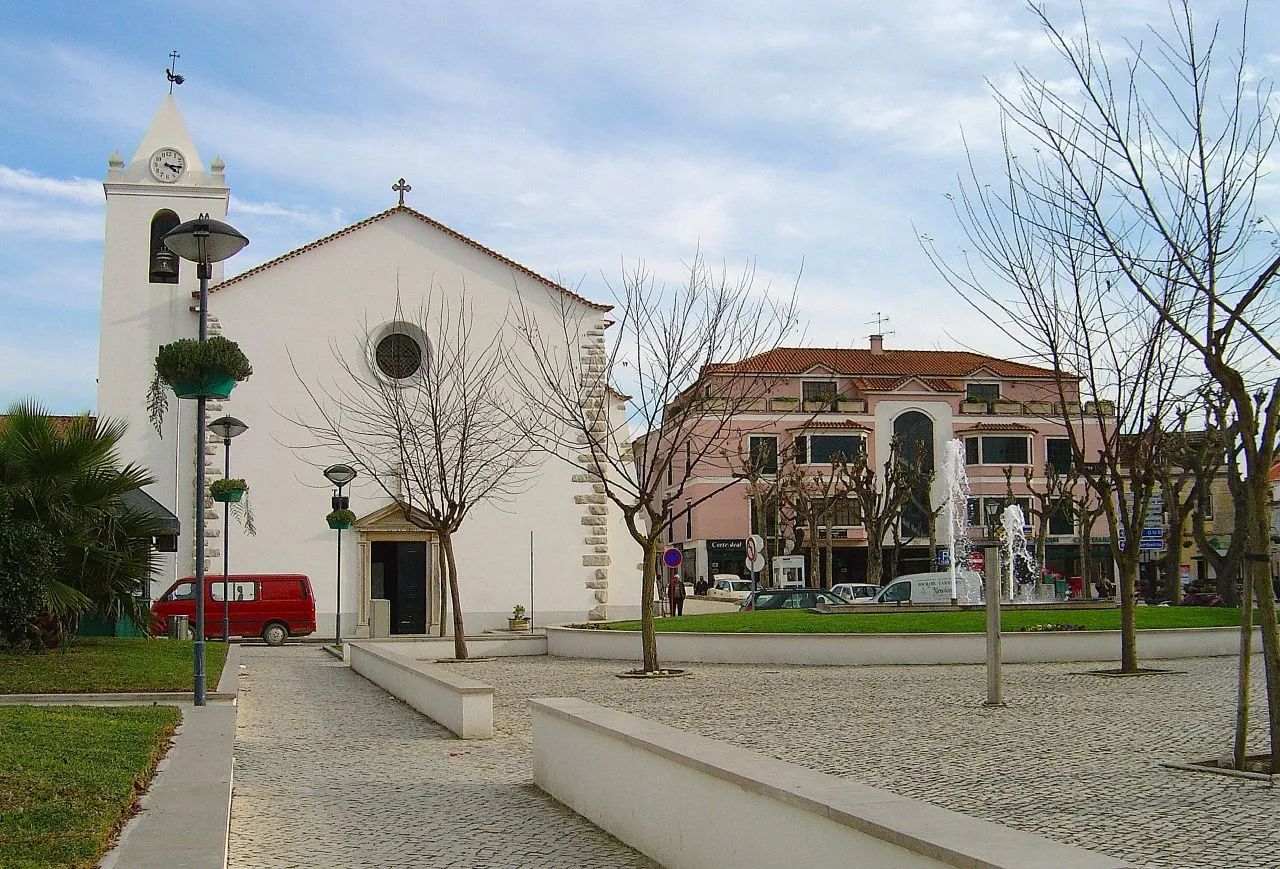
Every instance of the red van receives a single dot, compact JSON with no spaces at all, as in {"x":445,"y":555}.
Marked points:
{"x":274,"y":606}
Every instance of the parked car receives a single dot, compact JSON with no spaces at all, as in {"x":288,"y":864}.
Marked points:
{"x":729,"y":587}
{"x":272,"y":606}
{"x":790,"y":599}
{"x":856,"y":592}
{"x":932,"y":587}
{"x":1203,"y":598}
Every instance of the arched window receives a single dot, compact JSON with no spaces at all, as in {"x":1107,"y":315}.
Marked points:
{"x":914,"y":432}
{"x":162,"y":264}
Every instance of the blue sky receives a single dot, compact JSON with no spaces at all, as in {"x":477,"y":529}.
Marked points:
{"x":570,"y":136}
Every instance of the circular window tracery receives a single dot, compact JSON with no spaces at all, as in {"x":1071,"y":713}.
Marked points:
{"x":398,"y":356}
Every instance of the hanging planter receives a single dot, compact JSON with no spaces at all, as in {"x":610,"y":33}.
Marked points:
{"x":228,"y":491}
{"x":340,"y":519}
{"x":195,"y":369}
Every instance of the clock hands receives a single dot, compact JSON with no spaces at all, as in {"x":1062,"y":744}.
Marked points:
{"x":173,"y":166}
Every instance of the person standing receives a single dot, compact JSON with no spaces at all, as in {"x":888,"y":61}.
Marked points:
{"x":675,"y":594}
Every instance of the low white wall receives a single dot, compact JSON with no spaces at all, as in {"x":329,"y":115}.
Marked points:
{"x":428,"y":649}
{"x":463,"y":705}
{"x":637,"y":780}
{"x":1016,"y":647}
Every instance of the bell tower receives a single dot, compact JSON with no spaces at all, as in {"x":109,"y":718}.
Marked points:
{"x":147,"y":291}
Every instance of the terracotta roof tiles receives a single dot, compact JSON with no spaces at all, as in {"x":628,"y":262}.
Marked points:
{"x":941,"y":364}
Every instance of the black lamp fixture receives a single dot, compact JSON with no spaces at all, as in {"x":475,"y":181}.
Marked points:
{"x":339,"y":475}
{"x":203,"y":241}
{"x":226,"y":427}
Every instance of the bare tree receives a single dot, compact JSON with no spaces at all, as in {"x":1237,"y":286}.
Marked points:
{"x":438,"y":441}
{"x":1152,"y":170}
{"x":882,"y":497}
{"x":672,"y":349}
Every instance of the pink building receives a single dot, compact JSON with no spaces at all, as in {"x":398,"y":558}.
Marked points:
{"x":819,"y":401}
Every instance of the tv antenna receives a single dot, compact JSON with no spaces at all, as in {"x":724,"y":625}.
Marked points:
{"x":881,"y":321}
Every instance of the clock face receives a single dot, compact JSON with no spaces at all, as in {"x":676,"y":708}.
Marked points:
{"x":168,"y":164}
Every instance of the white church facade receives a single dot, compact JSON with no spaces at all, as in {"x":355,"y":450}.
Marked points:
{"x":556,"y":548}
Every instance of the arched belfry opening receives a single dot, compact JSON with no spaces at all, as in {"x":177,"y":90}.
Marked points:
{"x":162,"y":264}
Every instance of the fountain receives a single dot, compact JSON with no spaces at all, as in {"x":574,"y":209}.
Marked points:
{"x":956,"y":515}
{"x":1017,"y":551}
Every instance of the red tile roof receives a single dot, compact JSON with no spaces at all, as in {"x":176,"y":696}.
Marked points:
{"x":890,"y":363}
{"x":60,"y":423}
{"x":844,"y":423}
{"x":404,"y":209}
{"x":994,"y":426}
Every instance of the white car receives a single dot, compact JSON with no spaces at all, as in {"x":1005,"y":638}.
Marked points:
{"x":856,"y":592}
{"x":730,"y":588}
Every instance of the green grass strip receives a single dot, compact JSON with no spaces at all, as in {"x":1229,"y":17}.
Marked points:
{"x":898,"y":621}
{"x":109,"y":664}
{"x":69,"y":778}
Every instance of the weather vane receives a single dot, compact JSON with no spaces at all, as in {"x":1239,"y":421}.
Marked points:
{"x":402,"y":188}
{"x":174,"y":78}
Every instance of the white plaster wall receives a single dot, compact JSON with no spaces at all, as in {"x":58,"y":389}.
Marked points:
{"x":690,"y":802}
{"x":290,"y":315}
{"x":463,"y":705}
{"x":876,"y":649}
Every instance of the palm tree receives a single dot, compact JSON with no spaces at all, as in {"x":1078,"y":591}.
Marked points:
{"x":68,"y":480}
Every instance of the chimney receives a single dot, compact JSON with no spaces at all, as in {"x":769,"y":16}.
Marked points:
{"x":877,"y":345}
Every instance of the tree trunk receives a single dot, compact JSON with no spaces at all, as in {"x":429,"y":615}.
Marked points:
{"x":451,"y":567}
{"x":648,"y":636}
{"x":1264,"y":593}
{"x":1243,"y":669}
{"x":1128,"y":612}
{"x":875,"y":562}
{"x":444,"y":597}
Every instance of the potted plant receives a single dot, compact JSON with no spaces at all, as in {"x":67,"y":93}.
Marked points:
{"x":973,"y":405}
{"x":783,"y":403}
{"x":518,"y":620}
{"x":340,"y":519}
{"x":228,"y":491}
{"x":195,"y":369}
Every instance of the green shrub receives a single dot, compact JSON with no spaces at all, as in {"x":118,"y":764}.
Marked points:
{"x":222,"y":487}
{"x":188,"y":357}
{"x":341,"y":516}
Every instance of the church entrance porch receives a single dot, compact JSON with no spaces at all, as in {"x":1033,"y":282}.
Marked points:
{"x":398,"y":573}
{"x":396,"y":562}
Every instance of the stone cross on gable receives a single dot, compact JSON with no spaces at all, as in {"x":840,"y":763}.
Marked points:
{"x":402,"y":188}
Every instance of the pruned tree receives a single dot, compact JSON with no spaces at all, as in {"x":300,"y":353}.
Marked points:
{"x":881,"y":497}
{"x":671,"y":349}
{"x":1151,"y":170}
{"x":437,"y":441}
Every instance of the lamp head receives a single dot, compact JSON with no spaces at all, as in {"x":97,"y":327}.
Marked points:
{"x":340,"y":475}
{"x":227,"y":427}
{"x":204,"y":240}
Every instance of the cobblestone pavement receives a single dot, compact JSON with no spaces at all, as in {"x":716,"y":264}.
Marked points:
{"x":332,"y":772}
{"x":1074,"y":756}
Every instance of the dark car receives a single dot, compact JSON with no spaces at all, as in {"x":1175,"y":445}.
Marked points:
{"x":791,"y":599}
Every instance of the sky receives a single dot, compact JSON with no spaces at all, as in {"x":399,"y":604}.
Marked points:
{"x":812,"y":141}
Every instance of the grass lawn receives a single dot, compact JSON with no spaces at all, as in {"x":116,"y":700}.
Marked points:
{"x":899,"y":622}
{"x":107,"y":664}
{"x":69,"y":776}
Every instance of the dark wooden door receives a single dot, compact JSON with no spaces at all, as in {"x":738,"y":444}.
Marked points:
{"x":410,"y":615}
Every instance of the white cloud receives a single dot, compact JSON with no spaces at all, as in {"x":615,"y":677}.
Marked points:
{"x":82,"y":190}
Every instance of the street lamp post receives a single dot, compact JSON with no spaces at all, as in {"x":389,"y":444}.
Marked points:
{"x":226,"y":427}
{"x":339,"y":475}
{"x":203,"y":241}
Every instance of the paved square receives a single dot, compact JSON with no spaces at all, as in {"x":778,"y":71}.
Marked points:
{"x":330,"y":766}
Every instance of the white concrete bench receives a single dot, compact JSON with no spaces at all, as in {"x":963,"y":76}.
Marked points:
{"x":463,"y":705}
{"x":688,"y":801}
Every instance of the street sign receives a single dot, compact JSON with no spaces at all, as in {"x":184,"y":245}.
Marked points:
{"x":755,"y":547}
{"x":755,"y":565}
{"x":943,"y":556}
{"x":672,"y":557}
{"x":977,"y":561}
